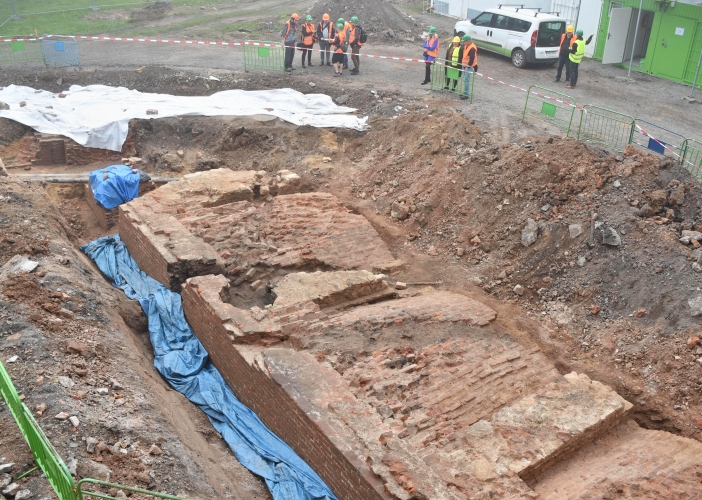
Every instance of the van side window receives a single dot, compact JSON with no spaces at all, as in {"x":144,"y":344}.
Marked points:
{"x":520,"y":25}
{"x":483,"y":19}
{"x":501,"y":22}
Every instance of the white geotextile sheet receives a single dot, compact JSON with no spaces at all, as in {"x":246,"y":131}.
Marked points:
{"x":97,"y":116}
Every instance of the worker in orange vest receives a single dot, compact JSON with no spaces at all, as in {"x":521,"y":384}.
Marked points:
{"x":308,"y":39}
{"x":288,"y":34}
{"x":431,"y":51}
{"x":325,"y":31}
{"x":340,"y":45}
{"x":567,"y":40}
{"x":470,"y":63}
{"x":356,"y":38}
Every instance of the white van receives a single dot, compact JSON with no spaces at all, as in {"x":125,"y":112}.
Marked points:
{"x":525,"y":35}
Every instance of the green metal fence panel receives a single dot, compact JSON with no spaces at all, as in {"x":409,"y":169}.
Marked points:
{"x":447,"y":79}
{"x":44,"y":453}
{"x":606,"y":127}
{"x":658,"y":139}
{"x":692,"y":157}
{"x":264,"y":55}
{"x":86,"y":493}
{"x":21,"y":53}
{"x":550,"y":106}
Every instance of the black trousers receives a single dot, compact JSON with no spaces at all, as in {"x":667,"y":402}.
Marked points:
{"x":307,"y":51}
{"x":427,"y":74}
{"x":563,"y":60}
{"x":574,"y":73}
{"x":289,"y":56}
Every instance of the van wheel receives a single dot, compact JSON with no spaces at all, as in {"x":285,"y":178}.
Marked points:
{"x":519,"y":58}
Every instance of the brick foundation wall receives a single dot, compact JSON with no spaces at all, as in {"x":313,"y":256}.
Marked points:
{"x":107,"y":219}
{"x":273,"y":405}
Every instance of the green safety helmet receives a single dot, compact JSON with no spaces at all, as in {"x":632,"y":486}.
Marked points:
{"x":308,"y":18}
{"x":432,"y":30}
{"x":340,"y":20}
{"x":340,"y":26}
{"x":579,"y":33}
{"x":354,"y":19}
{"x":466,"y":38}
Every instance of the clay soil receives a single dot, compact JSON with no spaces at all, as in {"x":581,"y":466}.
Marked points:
{"x":619,"y":313}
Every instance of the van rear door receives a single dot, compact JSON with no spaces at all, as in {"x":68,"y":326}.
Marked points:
{"x":548,"y":38}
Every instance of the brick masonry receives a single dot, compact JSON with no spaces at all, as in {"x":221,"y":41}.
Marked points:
{"x":417,"y":397}
{"x":278,"y":410}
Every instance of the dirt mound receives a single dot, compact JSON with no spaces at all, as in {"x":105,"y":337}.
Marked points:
{"x":381,"y":20}
{"x":620,"y":292}
{"x":150,"y":12}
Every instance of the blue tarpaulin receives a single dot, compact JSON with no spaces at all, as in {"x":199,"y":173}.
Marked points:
{"x":114,"y":185}
{"x":182,"y":360}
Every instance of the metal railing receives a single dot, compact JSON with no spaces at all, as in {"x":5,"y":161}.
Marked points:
{"x":270,"y":57}
{"x":606,"y":127}
{"x":692,"y":157}
{"x":60,"y":52}
{"x":666,"y":142}
{"x":21,"y":53}
{"x":46,"y":456}
{"x":448,"y":79}
{"x":545,"y":106}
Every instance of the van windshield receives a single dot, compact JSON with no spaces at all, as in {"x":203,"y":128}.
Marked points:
{"x":550,"y":33}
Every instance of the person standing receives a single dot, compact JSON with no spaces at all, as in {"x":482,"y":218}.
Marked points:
{"x":355,"y":42}
{"x":308,"y":37}
{"x":288,"y":33}
{"x":567,"y":40}
{"x":340,"y":45}
{"x":469,"y":62}
{"x":346,"y":34}
{"x":454,"y":59}
{"x":325,"y":32}
{"x":577,"y":52}
{"x":431,"y":51}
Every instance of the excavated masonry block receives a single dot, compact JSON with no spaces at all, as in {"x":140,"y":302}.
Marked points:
{"x":251,"y":383}
{"x":210,"y":189}
{"x":543,"y":428}
{"x":162,"y":247}
{"x":109,"y":218}
{"x":326,"y":289}
{"x":629,"y":462}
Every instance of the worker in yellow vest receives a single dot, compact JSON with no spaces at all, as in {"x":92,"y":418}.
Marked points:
{"x":453,"y":60}
{"x":469,"y":62}
{"x":577,"y":52}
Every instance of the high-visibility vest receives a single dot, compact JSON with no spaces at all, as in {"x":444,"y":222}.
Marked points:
{"x":355,"y":34}
{"x":330,"y":29}
{"x":340,"y":36}
{"x":435,"y":52}
{"x":572,"y":39}
{"x":455,"y":52}
{"x":309,"y":38}
{"x":466,"y":54}
{"x":580,"y":52}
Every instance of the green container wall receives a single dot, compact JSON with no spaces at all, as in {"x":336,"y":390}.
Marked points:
{"x":680,"y":10}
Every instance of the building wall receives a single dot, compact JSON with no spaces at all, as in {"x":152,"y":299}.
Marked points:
{"x":681,"y":9}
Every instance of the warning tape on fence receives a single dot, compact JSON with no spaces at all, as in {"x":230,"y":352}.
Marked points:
{"x":371,"y":56}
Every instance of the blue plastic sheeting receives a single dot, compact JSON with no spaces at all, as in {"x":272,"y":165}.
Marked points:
{"x":114,"y":185}
{"x":184,"y":363}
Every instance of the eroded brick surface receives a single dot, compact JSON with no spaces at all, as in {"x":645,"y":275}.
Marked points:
{"x":628,"y":463}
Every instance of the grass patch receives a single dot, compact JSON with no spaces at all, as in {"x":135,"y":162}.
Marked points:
{"x":74,"y":17}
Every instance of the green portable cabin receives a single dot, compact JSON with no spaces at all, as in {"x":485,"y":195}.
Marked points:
{"x":667,"y":43}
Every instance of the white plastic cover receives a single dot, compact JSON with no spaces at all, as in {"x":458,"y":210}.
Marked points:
{"x":97,"y":116}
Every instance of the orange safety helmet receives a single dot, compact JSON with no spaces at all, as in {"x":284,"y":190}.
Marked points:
{"x":325,"y":17}
{"x":295,"y":16}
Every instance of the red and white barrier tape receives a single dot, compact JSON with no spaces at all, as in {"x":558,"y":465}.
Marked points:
{"x":372,"y":56}
{"x":665,"y":146}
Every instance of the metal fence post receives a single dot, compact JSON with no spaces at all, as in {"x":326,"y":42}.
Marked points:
{"x":93,"y":6}
{"x":694,"y":82}
{"x":14,"y":15}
